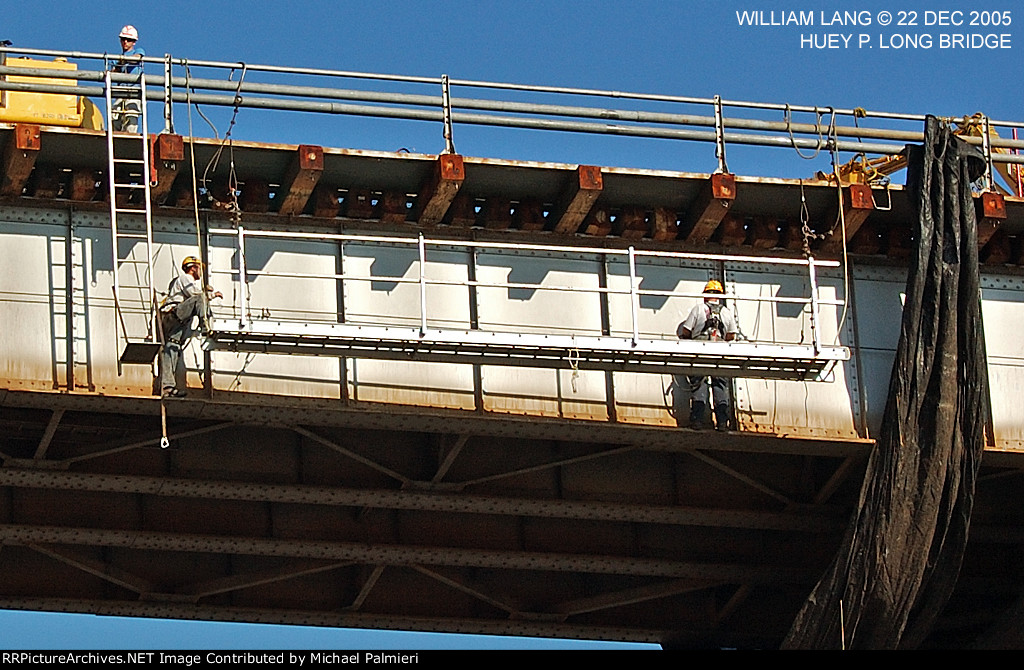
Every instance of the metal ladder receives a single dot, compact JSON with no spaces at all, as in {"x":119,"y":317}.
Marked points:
{"x":131,"y":222}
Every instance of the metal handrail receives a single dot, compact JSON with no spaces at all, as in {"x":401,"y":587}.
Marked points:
{"x":749,"y":131}
{"x":421,"y":245}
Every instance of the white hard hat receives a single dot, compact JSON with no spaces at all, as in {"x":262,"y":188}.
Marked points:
{"x":130,"y":33}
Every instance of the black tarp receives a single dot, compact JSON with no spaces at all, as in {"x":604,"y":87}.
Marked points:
{"x":901,"y":555}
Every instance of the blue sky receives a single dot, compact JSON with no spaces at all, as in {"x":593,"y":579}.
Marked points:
{"x":672,"y":47}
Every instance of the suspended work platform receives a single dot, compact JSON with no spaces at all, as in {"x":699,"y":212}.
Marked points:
{"x":690,"y":357}
{"x":449,"y":281}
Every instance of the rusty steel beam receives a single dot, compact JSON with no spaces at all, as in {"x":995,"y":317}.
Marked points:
{"x":998,"y":250}
{"x":632,"y":596}
{"x":462,"y":212}
{"x":247,"y":580}
{"x":710,"y":208}
{"x":420,"y":498}
{"x":739,"y":476}
{"x":51,"y":429}
{"x":168,"y":157}
{"x":335,"y":619}
{"x":325,"y":201}
{"x":731,"y":231}
{"x":764,"y":232}
{"x":367,"y":587}
{"x":471,"y":591}
{"x":529,"y":215}
{"x":867,"y":240}
{"x":665,"y":224}
{"x":858,"y":204}
{"x":83,"y":185}
{"x":401,"y":555}
{"x":579,"y":198}
{"x":358,"y":204}
{"x":990,"y":210}
{"x":437,"y":194}
{"x":19,"y":158}
{"x":631,"y":223}
{"x":597,"y":223}
{"x":255,"y":196}
{"x":303,"y":175}
{"x":45,"y":182}
{"x":101,"y":569}
{"x":393,"y":207}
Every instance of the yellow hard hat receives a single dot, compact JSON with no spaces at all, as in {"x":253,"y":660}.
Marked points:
{"x":713,"y":286}
{"x":190,"y":260}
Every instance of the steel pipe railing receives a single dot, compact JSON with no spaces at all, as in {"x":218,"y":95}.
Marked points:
{"x":420,"y":245}
{"x":303,"y":98}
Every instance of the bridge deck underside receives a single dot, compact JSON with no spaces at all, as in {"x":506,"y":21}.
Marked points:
{"x":360,"y":516}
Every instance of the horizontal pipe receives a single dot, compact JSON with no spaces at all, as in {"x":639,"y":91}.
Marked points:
{"x":504,"y":106}
{"x":500,"y":121}
{"x":181,"y":62}
{"x":505,"y":246}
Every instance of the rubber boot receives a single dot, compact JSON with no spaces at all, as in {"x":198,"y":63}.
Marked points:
{"x":722,"y":418}
{"x":698,"y":415}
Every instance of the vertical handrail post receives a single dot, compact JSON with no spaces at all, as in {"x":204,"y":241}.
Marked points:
{"x":634,"y":298}
{"x":242,"y":280}
{"x":815,"y":330}
{"x":168,"y":105}
{"x":423,"y":285}
{"x":720,"y":136}
{"x":446,"y":105}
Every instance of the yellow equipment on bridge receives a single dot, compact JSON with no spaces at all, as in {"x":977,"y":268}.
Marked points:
{"x":49,"y":109}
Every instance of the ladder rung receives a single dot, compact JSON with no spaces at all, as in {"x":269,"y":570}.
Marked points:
{"x":116,"y":185}
{"x":133,"y":161}
{"x":122,"y":210}
{"x":132,"y":236}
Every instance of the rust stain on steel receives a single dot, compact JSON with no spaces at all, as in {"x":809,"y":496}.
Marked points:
{"x":19,"y":158}
{"x":584,"y":191}
{"x":666,"y":224}
{"x":437,"y":194}
{"x":858,"y":204}
{"x":168,"y":155}
{"x":303,"y":175}
{"x":710,"y":208}
{"x":393,"y":207}
{"x":991,"y":213}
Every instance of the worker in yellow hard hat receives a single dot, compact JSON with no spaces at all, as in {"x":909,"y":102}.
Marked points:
{"x":710,"y":320}
{"x":127,"y":110}
{"x":186,"y":301}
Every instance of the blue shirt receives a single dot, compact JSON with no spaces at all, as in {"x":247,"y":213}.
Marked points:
{"x":128,"y":63}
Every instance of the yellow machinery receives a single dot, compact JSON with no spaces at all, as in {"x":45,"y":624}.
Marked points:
{"x":50,"y":109}
{"x":861,"y":170}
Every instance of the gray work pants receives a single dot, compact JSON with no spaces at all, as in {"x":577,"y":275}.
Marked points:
{"x":126,"y":115}
{"x":719,"y":390}
{"x":177,"y":330}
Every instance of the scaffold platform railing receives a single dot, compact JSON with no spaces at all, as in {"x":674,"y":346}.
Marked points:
{"x":252,"y":329}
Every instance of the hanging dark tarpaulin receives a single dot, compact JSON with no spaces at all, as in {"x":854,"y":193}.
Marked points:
{"x":901,"y":555}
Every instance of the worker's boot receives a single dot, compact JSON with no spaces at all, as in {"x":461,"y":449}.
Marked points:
{"x":722,"y":418}
{"x":698,"y":415}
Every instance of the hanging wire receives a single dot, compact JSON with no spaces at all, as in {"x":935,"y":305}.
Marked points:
{"x":822,"y":142}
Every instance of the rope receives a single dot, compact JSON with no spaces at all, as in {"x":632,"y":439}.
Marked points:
{"x":574,"y":364}
{"x":788,"y":116}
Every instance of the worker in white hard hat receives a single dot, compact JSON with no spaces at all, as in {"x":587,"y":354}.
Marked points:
{"x":127,"y":111}
{"x":709,"y":320}
{"x":186,"y":301}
